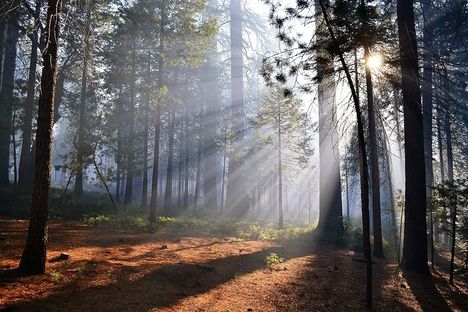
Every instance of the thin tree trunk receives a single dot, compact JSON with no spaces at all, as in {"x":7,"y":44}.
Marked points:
{"x":78,"y":190}
{"x":2,"y":38}
{"x":34,"y":255}
{"x":426,"y":89}
{"x":170,"y":160}
{"x":13,"y":146}
{"x":198,"y":176}
{"x":144,"y":190}
{"x":118,"y":154}
{"x":280,"y":171}
{"x":131,"y":152}
{"x":364,"y":170}
{"x":376,"y":208}
{"x":187,"y":159}
{"x":179,"y":180}
{"x":25,"y":166}
{"x":440,"y":140}
{"x":6,"y":95}
{"x":223,"y":182}
{"x":157,"y":134}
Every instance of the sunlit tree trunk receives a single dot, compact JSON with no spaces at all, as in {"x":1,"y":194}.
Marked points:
{"x":6,"y":94}
{"x":414,"y":256}
{"x":280,"y":170}
{"x":223,"y":181}
{"x":391,"y":195}
{"x":330,"y":206}
{"x":34,"y":255}
{"x":364,"y":168}
{"x":25,"y":166}
{"x":237,"y":200}
{"x":375,"y":171}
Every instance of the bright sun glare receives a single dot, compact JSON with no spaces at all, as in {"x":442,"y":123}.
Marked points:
{"x":375,"y":61}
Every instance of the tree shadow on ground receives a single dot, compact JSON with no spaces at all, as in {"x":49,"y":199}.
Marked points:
{"x":158,"y":287}
{"x":428,"y":295}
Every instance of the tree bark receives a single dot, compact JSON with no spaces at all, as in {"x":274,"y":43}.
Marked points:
{"x":25,"y":166}
{"x":330,"y":205}
{"x":131,"y":148}
{"x":280,"y":171}
{"x":375,"y":171}
{"x":414,"y":256}
{"x":364,"y":169}
{"x":426,"y":89}
{"x":157,"y":132}
{"x":144,"y":188}
{"x":170,"y":160}
{"x":6,"y":94}
{"x":78,"y":190}
{"x":237,"y":200}
{"x":34,"y":255}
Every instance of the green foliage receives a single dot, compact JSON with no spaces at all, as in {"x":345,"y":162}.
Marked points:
{"x":452,"y":198}
{"x":280,"y":122}
{"x":273,"y":259}
{"x":352,"y":236}
{"x":55,"y":276}
{"x":265,"y":232}
{"x":123,"y":221}
{"x":246,"y":230}
{"x":87,"y":269}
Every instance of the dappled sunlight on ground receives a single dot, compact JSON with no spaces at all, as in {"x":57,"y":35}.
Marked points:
{"x":175,"y":270}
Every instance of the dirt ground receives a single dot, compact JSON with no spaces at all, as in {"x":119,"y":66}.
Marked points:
{"x":175,"y":270}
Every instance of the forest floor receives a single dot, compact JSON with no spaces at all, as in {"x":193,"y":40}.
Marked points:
{"x":179,"y":270}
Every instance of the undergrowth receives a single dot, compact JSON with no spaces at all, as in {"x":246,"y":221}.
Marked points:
{"x":244,"y":230}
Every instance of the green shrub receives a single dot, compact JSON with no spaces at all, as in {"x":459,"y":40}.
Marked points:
{"x":273,"y":259}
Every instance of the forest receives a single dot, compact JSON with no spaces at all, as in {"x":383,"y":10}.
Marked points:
{"x":233,"y":155}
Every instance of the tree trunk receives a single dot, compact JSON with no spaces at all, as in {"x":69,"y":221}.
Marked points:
{"x":223,"y":182}
{"x":144,"y":190}
{"x":118,"y":153}
{"x":280,"y":172}
{"x":179,"y":180}
{"x":157,"y":132}
{"x":78,"y":190}
{"x":6,"y":95}
{"x":376,"y":209}
{"x":426,"y":89}
{"x":187,"y":158}
{"x":170,"y":160}
{"x":237,"y":200}
{"x":2,"y":38}
{"x":34,"y":255}
{"x":330,"y":207}
{"x":131,"y":137}
{"x":25,"y":166}
{"x":364,"y":169}
{"x":440,"y":141}
{"x":414,"y":256}
{"x":198,"y":176}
